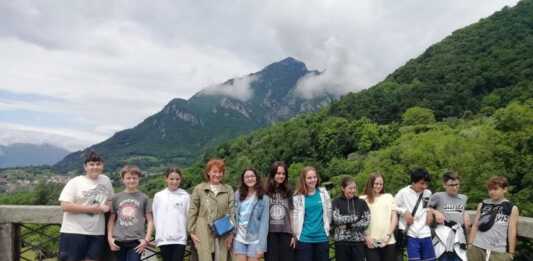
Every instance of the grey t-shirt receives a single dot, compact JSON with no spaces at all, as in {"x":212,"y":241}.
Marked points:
{"x":453,"y":208}
{"x":279,"y":214}
{"x":495,"y":238}
{"x":130,"y":209}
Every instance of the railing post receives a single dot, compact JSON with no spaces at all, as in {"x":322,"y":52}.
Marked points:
{"x":17,"y":241}
{"x":7,"y":241}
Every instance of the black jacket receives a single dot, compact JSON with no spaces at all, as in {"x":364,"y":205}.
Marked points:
{"x":350,"y":219}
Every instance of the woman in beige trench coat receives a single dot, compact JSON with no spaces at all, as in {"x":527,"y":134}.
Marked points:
{"x":211,"y":200}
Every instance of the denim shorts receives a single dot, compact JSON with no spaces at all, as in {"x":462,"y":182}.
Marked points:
{"x":249,"y":250}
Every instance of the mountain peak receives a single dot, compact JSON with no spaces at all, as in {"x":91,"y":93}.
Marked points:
{"x":287,"y":64}
{"x":291,"y":60}
{"x":185,"y":129}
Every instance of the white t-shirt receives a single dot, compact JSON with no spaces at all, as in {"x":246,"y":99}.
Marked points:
{"x":170,"y":216}
{"x":405,"y":201}
{"x":85,"y":191}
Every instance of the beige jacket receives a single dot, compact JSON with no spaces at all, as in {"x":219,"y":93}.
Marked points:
{"x":205,"y":207}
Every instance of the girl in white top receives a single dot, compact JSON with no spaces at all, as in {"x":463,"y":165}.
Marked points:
{"x":380,"y":233}
{"x":170,"y":217}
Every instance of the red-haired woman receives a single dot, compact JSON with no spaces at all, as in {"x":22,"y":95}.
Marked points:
{"x":211,"y":200}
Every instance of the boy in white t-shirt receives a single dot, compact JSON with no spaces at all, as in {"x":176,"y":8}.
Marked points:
{"x":419,"y":244}
{"x":84,"y":200}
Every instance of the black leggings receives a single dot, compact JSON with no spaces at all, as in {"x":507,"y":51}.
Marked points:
{"x":312,"y":251}
{"x":278,"y":247}
{"x":381,"y":253}
{"x":353,"y":251}
{"x":174,"y":252}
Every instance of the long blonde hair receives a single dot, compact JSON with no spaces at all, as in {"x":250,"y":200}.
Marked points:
{"x":302,"y":187}
{"x":369,"y":188}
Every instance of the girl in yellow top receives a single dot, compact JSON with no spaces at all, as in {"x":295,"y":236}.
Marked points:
{"x":380,"y":233}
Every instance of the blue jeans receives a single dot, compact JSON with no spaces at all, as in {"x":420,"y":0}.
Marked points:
{"x":127,"y":251}
{"x":80,"y":247}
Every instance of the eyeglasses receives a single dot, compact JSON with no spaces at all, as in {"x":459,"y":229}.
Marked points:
{"x":452,"y":185}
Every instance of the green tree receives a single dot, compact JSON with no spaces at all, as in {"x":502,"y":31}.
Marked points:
{"x":418,"y":115}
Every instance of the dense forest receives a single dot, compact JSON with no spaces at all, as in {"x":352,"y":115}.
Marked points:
{"x":477,"y":146}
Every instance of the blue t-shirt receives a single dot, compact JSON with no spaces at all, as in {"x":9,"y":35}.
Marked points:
{"x":313,"y":228}
{"x":245,"y":211}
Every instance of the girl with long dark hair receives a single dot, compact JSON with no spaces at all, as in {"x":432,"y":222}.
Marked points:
{"x":280,"y":244}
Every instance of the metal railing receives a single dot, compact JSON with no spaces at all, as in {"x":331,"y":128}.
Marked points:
{"x":31,"y":233}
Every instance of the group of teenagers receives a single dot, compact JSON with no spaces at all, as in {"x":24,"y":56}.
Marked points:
{"x":270,"y":220}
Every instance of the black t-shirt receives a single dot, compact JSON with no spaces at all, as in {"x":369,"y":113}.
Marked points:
{"x":280,"y":208}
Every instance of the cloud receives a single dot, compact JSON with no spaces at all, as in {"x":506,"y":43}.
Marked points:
{"x":6,"y":95}
{"x":100,"y":89}
{"x":238,"y":88}
{"x":69,"y":139}
{"x":109,"y":65}
{"x":333,"y":80}
{"x":357,"y":43}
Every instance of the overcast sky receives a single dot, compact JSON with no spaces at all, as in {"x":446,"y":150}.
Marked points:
{"x":74,"y":72}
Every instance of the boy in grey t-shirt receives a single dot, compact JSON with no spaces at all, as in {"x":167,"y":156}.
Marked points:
{"x":493,"y":235}
{"x":131,"y":210}
{"x":449,"y":208}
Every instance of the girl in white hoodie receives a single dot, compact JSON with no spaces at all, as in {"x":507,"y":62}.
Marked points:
{"x":170,"y":217}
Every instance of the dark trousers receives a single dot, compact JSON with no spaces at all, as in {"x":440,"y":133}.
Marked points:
{"x":174,"y":252}
{"x":278,"y":247}
{"x":349,"y":251}
{"x":449,"y":257}
{"x":80,"y":247}
{"x":128,"y":254}
{"x":312,"y":251}
{"x":127,"y":251}
{"x":381,"y":253}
